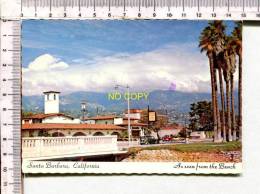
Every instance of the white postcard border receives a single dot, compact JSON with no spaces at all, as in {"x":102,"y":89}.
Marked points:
{"x":76,"y":167}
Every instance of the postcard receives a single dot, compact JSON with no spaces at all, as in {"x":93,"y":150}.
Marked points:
{"x":132,"y":96}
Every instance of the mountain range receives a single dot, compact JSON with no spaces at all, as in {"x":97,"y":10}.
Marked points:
{"x":99,"y":102}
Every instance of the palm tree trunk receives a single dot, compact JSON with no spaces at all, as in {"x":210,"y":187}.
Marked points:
{"x":228,"y":110}
{"x":213,"y":95}
{"x":233,"y":118}
{"x":240,"y":96}
{"x":217,"y":109}
{"x":223,"y":123}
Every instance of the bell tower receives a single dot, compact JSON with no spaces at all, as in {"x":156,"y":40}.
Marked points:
{"x":51,"y":102}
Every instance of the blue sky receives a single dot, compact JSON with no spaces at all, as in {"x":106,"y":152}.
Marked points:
{"x":74,"y":46}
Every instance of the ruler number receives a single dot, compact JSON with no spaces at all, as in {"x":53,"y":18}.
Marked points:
{"x":94,"y":15}
{"x":109,"y":15}
{"x":183,"y":15}
{"x":199,"y":15}
{"x":228,"y":15}
{"x":243,"y":15}
{"x":213,"y":15}
{"x":5,"y":169}
{"x":169,"y":15}
{"x":139,"y":15}
{"x":258,"y":15}
{"x":4,"y":50}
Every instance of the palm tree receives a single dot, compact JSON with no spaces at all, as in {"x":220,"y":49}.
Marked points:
{"x":206,"y":45}
{"x":230,"y":68}
{"x":212,"y":41}
{"x":220,"y":45}
{"x":233,"y":119}
{"x":237,"y":42}
{"x":226,"y":73}
{"x":220,"y":63}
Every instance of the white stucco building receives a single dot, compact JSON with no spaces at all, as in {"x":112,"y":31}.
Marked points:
{"x":51,"y":102}
{"x":53,"y":123}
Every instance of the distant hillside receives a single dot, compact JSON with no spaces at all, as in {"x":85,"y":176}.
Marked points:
{"x":158,"y":99}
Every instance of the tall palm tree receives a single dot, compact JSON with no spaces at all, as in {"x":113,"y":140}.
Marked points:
{"x":226,"y":73}
{"x":220,"y":45}
{"x":205,"y":43}
{"x":212,"y":41}
{"x":220,"y":63}
{"x":237,"y":42}
{"x":230,"y":68}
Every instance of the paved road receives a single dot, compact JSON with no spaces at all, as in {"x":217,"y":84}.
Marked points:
{"x":176,"y":143}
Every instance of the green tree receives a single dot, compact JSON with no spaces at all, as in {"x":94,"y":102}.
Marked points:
{"x":201,"y":117}
{"x":26,"y":114}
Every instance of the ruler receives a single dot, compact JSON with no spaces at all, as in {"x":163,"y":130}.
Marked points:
{"x":142,"y":9}
{"x":12,"y":12}
{"x":10,"y":106}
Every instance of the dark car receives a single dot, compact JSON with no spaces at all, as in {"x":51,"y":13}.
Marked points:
{"x":144,"y":140}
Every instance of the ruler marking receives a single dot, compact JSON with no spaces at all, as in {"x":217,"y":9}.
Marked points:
{"x":11,"y":157}
{"x":13,"y":35}
{"x":50,"y":8}
{"x":79,"y":6}
{"x":35,"y":8}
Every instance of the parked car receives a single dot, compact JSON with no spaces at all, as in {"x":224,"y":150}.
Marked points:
{"x":144,"y":140}
{"x":167,"y":138}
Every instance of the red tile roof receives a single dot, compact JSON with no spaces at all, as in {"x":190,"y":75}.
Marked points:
{"x":102,"y":117}
{"x":134,"y":111}
{"x":49,"y":126}
{"x":43,"y":116}
{"x":125,"y":123}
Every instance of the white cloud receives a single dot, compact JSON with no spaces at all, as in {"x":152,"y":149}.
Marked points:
{"x":46,"y":62}
{"x":142,"y":71}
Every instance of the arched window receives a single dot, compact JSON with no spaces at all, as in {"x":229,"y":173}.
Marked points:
{"x":79,"y":134}
{"x":116,"y":133}
{"x":43,"y":133}
{"x":98,"y":133}
{"x":57,"y":134}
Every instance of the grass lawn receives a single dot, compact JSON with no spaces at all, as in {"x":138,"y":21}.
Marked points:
{"x":194,"y":147}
